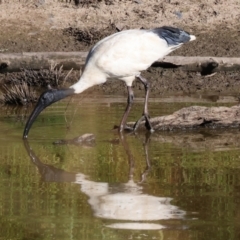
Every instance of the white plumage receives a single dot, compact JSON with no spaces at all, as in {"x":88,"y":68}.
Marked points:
{"x":122,"y":55}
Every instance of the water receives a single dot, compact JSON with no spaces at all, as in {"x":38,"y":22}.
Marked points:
{"x":183,"y":185}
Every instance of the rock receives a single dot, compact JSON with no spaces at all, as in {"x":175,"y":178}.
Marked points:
{"x":196,"y":117}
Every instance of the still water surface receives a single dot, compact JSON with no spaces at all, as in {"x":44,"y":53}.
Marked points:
{"x":182,"y":185}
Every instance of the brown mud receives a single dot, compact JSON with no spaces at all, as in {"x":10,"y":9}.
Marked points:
{"x":44,"y":25}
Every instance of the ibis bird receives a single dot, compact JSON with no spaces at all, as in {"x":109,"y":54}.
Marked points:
{"x":122,"y":56}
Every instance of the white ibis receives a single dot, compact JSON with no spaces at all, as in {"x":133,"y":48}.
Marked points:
{"x":122,"y":55}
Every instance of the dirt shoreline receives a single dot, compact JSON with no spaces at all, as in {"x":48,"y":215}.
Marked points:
{"x":44,"y":25}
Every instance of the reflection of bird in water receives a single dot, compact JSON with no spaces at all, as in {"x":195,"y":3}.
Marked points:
{"x":123,"y":56}
{"x":124,"y":201}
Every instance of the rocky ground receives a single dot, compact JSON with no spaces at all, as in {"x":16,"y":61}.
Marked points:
{"x":51,"y":25}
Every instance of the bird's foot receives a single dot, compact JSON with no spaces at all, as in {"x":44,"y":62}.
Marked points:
{"x":148,"y":124}
{"x":126,"y":128}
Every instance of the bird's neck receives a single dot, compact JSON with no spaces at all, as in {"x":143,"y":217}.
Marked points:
{"x":89,"y":78}
{"x":63,"y":93}
{"x":55,"y":95}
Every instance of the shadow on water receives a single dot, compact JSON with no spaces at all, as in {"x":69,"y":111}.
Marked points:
{"x":119,"y":202}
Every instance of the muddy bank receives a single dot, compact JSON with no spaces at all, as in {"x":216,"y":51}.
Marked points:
{"x":164,"y":82}
{"x":55,"y":25}
{"x":172,"y":82}
{"x":31,"y":26}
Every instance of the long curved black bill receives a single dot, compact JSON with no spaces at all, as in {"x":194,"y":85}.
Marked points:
{"x":47,"y":98}
{"x":37,"y":110}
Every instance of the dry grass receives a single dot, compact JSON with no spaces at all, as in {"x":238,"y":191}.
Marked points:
{"x":20,"y":94}
{"x":18,"y":87}
{"x":54,"y":77}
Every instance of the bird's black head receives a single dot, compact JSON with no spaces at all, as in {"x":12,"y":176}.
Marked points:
{"x":46,"y":99}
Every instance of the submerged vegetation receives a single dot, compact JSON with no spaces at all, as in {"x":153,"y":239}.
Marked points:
{"x":20,"y":94}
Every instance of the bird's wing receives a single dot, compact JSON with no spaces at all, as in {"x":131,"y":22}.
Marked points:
{"x":127,"y":53}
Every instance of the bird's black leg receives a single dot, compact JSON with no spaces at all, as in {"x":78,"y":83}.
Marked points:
{"x":128,"y":108}
{"x":145,"y":114}
{"x":148,"y":167}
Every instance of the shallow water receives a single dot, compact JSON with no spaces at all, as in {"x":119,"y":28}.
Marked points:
{"x":183,"y":185}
